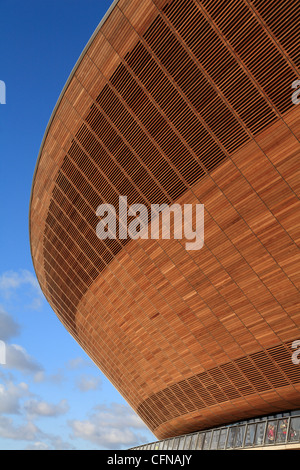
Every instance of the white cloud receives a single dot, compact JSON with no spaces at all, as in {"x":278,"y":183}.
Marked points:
{"x":36,"y":303}
{"x":13,"y":280}
{"x":118,"y":415}
{"x":10,"y":396}
{"x":8,"y":327}
{"x":18,"y":358}
{"x":38,"y":446}
{"x":58,"y":378}
{"x":25,"y":432}
{"x":39,"y":376}
{"x":36,"y":438}
{"x":55,"y":442}
{"x":86,"y":383}
{"x":78,"y":363}
{"x":16,"y":400}
{"x":37,"y":408}
{"x":114,"y":427}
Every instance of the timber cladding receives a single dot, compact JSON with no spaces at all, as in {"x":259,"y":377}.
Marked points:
{"x":190,"y":102}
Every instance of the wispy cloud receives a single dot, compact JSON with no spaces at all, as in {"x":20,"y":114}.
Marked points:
{"x":22,"y":409}
{"x":8,"y":327}
{"x":10,"y":397}
{"x":11,"y":281}
{"x":18,"y":358}
{"x":38,"y":446}
{"x":78,"y":363}
{"x":30,"y":432}
{"x":86,"y":383}
{"x":55,"y":443}
{"x":111,"y":427}
{"x":58,"y":378}
{"x":24,"y":432}
{"x":36,"y":408}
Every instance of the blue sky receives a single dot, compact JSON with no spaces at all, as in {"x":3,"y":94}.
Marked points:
{"x":51,"y":394}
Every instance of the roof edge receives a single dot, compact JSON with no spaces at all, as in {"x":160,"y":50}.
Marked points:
{"x":105,"y":17}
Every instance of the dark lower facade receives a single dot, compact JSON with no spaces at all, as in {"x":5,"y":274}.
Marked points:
{"x":280,"y":431}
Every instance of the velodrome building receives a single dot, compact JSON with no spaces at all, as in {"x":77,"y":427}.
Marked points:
{"x":182,"y":102}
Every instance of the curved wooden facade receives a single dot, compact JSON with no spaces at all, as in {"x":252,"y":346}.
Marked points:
{"x":180,"y":101}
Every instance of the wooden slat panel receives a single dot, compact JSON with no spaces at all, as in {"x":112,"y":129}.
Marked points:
{"x":173,"y":102}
